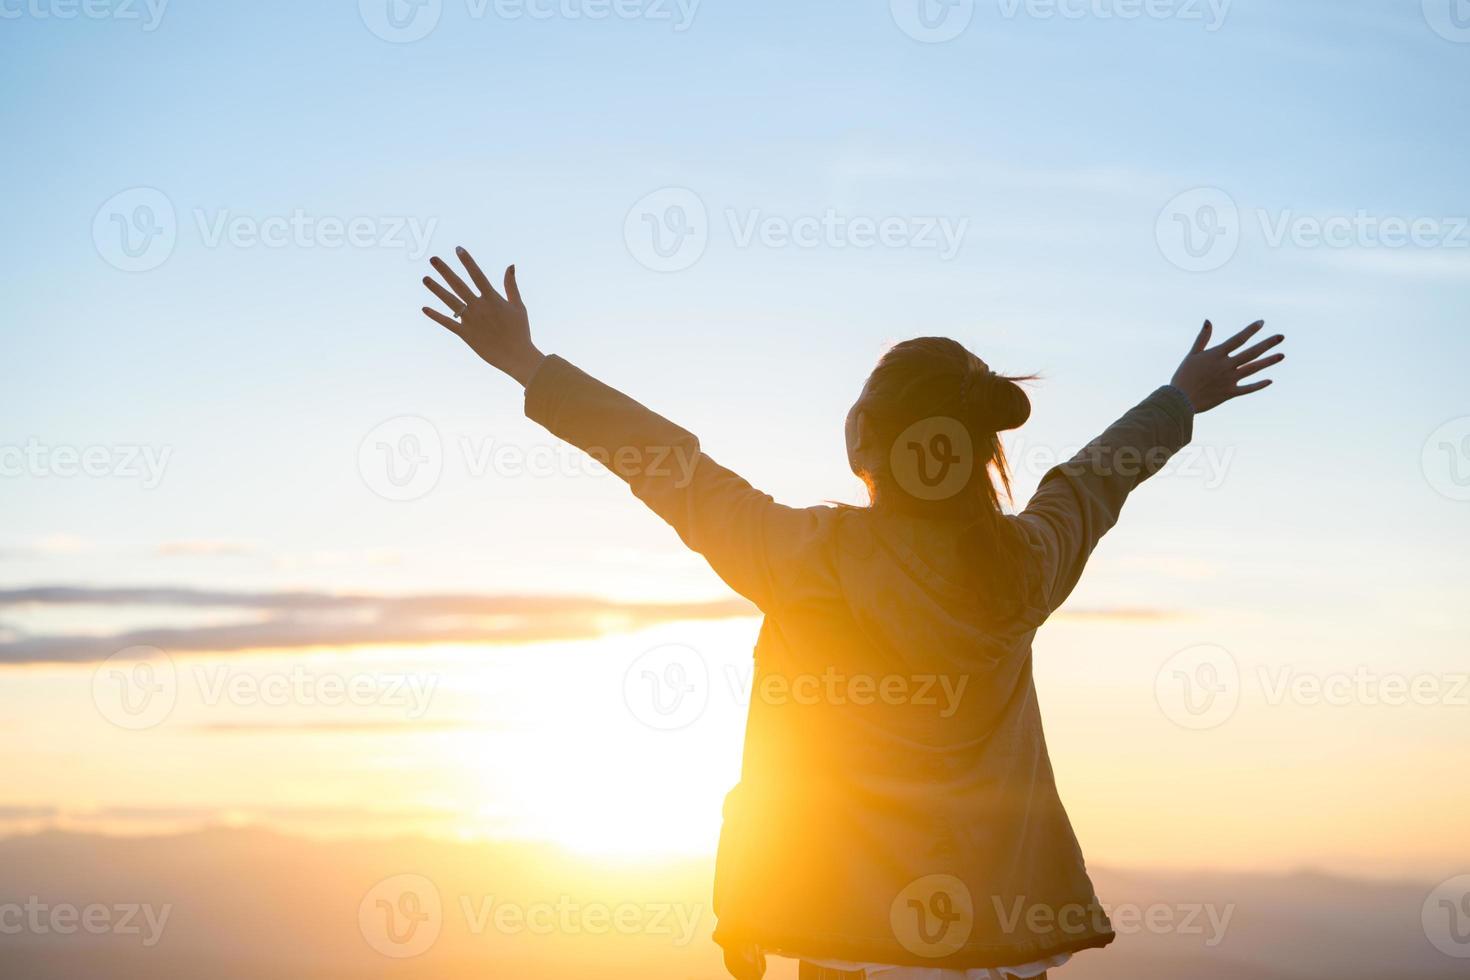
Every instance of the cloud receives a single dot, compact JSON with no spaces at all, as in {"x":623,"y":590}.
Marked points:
{"x":208,"y":814}
{"x":345,"y":727}
{"x":10,"y":812}
{"x":204,"y":548}
{"x":303,"y":620}
{"x":1121,"y":614}
{"x":298,"y":620}
{"x":47,"y":546}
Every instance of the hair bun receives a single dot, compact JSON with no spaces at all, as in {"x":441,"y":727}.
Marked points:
{"x":1006,"y":404}
{"x":995,"y":401}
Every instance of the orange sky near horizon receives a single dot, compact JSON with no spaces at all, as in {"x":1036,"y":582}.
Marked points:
{"x":555,"y":742}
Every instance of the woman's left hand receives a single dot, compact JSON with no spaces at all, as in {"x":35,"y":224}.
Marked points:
{"x":496,"y":327}
{"x":1210,"y":376}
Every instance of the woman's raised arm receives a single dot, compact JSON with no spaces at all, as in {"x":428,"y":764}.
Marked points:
{"x":1078,"y":501}
{"x":748,"y":539}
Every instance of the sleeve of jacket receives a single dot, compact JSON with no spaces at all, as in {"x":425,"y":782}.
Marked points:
{"x":748,"y":539}
{"x":1080,"y":500}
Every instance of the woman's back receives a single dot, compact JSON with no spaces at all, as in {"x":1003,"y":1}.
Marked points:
{"x":894,"y":740}
{"x":896,"y":802}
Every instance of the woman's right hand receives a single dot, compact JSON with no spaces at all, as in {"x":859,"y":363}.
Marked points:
{"x":1210,"y":376}
{"x":496,"y":327}
{"x":745,"y":963}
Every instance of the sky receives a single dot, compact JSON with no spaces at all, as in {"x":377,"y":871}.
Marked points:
{"x":220,"y":379}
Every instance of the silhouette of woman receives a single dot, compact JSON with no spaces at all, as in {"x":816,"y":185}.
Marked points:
{"x":896,"y":814}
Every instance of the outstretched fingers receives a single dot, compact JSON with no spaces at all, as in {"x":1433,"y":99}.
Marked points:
{"x":1239,"y":339}
{"x":1255,"y":351}
{"x":1250,"y":361}
{"x":1247,"y":389}
{"x":481,"y":281}
{"x":450,"y":300}
{"x":1203,"y":340}
{"x":455,"y":282}
{"x":441,"y":319}
{"x":1246,"y":370}
{"x":512,"y":290}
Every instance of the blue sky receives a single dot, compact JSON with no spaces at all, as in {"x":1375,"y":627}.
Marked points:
{"x":1056,"y":141}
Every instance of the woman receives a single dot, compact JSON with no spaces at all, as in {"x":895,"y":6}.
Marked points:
{"x":896,"y":815}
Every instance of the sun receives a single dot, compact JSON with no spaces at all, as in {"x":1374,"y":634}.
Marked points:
{"x":586,"y":773}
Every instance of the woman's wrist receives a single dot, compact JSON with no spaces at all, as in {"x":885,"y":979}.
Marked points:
{"x":1183,"y":395}
{"x":524,"y":368}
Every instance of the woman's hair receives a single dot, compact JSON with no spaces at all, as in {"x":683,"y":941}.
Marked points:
{"x":930,"y":406}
